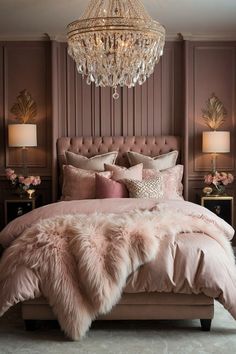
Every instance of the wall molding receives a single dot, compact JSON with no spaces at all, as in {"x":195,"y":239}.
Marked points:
{"x":61,"y":37}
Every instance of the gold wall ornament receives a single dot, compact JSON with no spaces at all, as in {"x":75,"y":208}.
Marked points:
{"x":214,"y":114}
{"x":115,"y":43}
{"x":25,"y":109}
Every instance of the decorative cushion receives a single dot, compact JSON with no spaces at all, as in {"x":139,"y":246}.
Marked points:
{"x":95,"y":163}
{"x":79,"y":183}
{"x":150,"y":188}
{"x":107,"y":188}
{"x":161,"y":162}
{"x":118,"y":172}
{"x":172,"y":181}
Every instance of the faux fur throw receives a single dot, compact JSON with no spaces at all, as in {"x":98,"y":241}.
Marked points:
{"x":80,"y":263}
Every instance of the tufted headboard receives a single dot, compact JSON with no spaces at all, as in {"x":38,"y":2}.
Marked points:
{"x":90,"y":146}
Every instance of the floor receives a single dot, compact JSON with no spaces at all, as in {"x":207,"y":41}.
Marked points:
{"x":163,"y":337}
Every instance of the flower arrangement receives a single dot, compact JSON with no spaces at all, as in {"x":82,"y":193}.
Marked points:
{"x":219,"y":180}
{"x":20,"y":183}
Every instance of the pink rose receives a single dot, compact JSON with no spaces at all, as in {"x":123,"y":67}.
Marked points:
{"x":9,"y":172}
{"x":208,"y":179}
{"x":27,"y":181}
{"x":36,"y":181}
{"x":230,"y":177}
{"x":13,"y":177}
{"x":21,"y":179}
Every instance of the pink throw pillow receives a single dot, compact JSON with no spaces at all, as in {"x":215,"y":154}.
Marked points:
{"x":118,"y":172}
{"x":78,"y":183}
{"x":172,"y":180}
{"x":107,"y":188}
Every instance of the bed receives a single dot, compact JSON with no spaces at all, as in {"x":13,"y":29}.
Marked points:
{"x":134,"y":305}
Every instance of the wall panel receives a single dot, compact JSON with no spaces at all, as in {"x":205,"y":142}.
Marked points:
{"x":146,"y":110}
{"x":210,"y":68}
{"x":26,"y":65}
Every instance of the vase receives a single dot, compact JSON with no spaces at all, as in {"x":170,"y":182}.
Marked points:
{"x":218,"y":190}
{"x":20,"y":192}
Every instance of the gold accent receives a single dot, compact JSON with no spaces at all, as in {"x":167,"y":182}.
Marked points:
{"x":25,"y":108}
{"x":216,"y":197}
{"x":214,"y":114}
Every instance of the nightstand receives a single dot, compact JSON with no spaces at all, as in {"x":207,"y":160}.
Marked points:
{"x":16,"y":206}
{"x":220,"y":205}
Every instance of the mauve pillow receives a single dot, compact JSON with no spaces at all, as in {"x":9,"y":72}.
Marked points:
{"x":118,"y":172}
{"x":79,"y":183}
{"x":160,"y":162}
{"x":108,"y":188}
{"x":172,"y":181}
{"x":95,"y":163}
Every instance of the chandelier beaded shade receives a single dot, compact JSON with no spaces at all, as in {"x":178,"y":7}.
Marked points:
{"x":115,"y":43}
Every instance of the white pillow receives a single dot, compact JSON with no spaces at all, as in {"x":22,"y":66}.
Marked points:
{"x":160,"y":162}
{"x":95,"y":163}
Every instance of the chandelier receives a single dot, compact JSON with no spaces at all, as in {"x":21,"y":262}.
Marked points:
{"x":115,"y":43}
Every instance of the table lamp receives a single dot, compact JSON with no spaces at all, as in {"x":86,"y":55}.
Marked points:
{"x":215,"y":142}
{"x":23,"y":136}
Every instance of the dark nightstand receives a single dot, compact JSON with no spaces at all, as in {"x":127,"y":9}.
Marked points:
{"x":16,"y":206}
{"x":222,"y":206}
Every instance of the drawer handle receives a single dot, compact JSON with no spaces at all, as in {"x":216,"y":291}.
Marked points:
{"x":19,"y":211}
{"x":217,"y":209}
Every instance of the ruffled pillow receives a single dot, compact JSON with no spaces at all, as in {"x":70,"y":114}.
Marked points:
{"x":95,"y":163}
{"x":172,"y":181}
{"x":160,"y":162}
{"x":79,"y":183}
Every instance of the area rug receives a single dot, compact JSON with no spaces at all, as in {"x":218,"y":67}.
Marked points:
{"x":132,"y":337}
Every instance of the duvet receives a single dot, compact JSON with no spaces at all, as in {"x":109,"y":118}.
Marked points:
{"x":81,"y":256}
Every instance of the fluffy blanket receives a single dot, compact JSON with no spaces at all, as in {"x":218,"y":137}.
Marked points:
{"x":81,"y":263}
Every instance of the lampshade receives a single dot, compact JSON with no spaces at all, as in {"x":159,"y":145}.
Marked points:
{"x":216,"y":142}
{"x":22,"y":135}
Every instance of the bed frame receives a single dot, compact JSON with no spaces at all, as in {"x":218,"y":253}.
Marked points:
{"x":135,"y":306}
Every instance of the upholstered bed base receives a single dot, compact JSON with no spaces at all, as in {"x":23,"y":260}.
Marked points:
{"x":140,"y":306}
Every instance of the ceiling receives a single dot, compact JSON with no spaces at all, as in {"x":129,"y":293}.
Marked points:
{"x":32,"y":18}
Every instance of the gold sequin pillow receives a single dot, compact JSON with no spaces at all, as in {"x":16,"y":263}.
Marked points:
{"x":150,"y":188}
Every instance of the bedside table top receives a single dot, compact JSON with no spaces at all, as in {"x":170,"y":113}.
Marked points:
{"x":16,"y":198}
{"x":217,"y":197}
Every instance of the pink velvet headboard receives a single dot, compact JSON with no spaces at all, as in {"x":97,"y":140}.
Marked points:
{"x":90,"y":146}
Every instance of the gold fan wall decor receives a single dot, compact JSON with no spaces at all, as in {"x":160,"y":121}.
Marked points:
{"x":215,"y":112}
{"x":25,"y":109}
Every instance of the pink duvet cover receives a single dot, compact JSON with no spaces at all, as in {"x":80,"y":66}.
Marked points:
{"x":79,"y":255}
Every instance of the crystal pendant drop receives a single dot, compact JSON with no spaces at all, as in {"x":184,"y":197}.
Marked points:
{"x":115,"y":43}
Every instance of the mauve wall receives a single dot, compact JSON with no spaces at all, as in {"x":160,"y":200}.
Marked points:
{"x":155,"y":108}
{"x":169,"y":103}
{"x":210,"y":67}
{"x":26,"y":65}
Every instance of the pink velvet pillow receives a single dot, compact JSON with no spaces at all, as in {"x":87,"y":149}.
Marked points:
{"x":78,"y":183}
{"x":107,"y":188}
{"x":172,"y":181}
{"x":118,"y":172}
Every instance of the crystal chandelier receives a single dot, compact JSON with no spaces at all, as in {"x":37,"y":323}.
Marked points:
{"x":115,"y":43}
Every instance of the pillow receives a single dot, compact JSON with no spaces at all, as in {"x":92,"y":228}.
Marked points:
{"x":107,"y":188}
{"x":172,"y":181}
{"x":150,"y":188}
{"x":118,"y":172}
{"x":78,"y":183}
{"x":95,"y":163}
{"x":160,"y":162}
